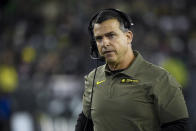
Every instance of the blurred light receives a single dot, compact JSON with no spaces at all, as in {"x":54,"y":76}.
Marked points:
{"x":50,"y":10}
{"x":28,"y":54}
{"x":48,"y":123}
{"x":64,"y":86}
{"x":8,"y":78}
{"x":22,"y":121}
{"x":177,"y":69}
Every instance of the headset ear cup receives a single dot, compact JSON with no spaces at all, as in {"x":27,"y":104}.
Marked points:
{"x":94,"y":50}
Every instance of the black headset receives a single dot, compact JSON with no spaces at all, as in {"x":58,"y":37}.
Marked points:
{"x":94,"y":54}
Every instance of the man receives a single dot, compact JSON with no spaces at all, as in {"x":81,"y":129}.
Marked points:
{"x":127,"y":93}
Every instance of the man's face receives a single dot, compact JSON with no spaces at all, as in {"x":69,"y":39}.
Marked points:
{"x":111,"y":41}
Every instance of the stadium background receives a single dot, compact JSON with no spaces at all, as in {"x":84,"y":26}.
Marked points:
{"x":44,"y":54}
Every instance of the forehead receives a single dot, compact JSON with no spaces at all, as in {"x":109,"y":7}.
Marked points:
{"x":111,"y":25}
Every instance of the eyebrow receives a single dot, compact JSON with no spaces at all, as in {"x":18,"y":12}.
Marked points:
{"x":110,"y":33}
{"x":106,"y":34}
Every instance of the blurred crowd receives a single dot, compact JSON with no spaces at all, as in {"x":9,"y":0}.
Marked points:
{"x":44,"y":54}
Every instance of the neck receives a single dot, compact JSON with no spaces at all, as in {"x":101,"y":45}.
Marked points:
{"x":122,"y":64}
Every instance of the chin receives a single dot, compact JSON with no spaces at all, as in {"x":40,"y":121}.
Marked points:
{"x":110,"y":60}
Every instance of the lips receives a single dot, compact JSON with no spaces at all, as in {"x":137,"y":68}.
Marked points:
{"x":107,"y":52}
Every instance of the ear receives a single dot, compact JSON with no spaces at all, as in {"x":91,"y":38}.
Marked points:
{"x":129,"y":35}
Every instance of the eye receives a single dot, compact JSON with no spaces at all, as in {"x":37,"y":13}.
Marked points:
{"x":98,"y":38}
{"x":110,"y":35}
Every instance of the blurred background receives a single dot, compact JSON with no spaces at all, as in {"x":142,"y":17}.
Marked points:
{"x":44,"y":54}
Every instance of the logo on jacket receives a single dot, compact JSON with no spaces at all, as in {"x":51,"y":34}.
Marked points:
{"x":99,"y":82}
{"x":128,"y":80}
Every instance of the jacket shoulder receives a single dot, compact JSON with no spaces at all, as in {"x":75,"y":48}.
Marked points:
{"x":160,"y":74}
{"x":99,"y":70}
{"x":154,"y":71}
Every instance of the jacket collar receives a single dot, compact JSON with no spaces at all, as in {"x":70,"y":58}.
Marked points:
{"x":133,"y":68}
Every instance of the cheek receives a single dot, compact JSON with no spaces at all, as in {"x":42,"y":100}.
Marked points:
{"x":121,"y":47}
{"x":99,"y":49}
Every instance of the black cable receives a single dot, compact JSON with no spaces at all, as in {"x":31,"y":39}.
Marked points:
{"x":89,"y":111}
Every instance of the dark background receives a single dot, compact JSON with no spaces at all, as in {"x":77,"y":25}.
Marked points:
{"x":44,"y":54}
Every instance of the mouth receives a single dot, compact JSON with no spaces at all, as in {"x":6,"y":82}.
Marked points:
{"x":107,"y":52}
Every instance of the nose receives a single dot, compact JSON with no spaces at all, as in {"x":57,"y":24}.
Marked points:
{"x":105,"y":42}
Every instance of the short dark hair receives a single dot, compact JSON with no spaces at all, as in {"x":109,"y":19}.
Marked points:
{"x":106,"y":15}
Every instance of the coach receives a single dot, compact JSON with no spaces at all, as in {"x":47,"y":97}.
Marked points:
{"x":127,"y":93}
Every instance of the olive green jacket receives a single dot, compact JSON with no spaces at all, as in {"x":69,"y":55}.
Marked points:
{"x":139,"y":98}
